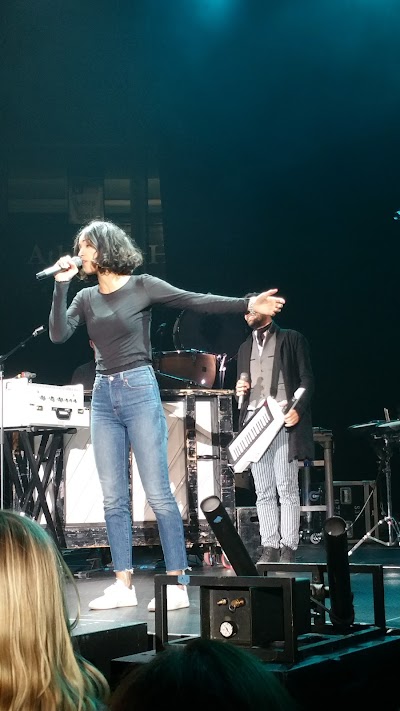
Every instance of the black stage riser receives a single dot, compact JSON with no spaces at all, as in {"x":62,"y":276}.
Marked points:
{"x":348,"y":679}
{"x":101,"y":646}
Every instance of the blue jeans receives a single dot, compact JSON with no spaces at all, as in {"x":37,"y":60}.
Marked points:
{"x":127,"y":411}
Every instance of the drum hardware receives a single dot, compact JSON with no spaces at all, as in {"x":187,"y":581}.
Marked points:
{"x":172,"y":381}
{"x":159,"y":335}
{"x":221,"y":369}
{"x":218,"y":334}
{"x":385,"y":435}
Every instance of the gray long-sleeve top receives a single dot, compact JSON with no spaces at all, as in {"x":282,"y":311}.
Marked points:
{"x":119,"y":323}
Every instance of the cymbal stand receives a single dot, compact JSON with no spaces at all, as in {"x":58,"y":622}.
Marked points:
{"x":221,"y":358}
{"x":392,"y":524}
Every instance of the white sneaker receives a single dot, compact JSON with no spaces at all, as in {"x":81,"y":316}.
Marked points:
{"x":116,"y":595}
{"x":176,"y":599}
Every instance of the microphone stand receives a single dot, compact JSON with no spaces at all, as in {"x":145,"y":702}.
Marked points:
{"x":3,"y":358}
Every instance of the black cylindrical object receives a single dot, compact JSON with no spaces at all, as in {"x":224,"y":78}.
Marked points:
{"x":227,"y":536}
{"x":335,"y":536}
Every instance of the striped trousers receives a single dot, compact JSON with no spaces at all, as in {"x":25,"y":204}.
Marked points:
{"x":276,"y":482}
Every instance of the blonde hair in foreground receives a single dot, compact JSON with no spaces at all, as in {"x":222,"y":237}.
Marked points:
{"x":39,"y":670}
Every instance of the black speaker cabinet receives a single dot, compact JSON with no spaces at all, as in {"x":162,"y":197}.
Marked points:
{"x":357,"y":503}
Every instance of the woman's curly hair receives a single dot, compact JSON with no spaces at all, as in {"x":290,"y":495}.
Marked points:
{"x":116,"y":252}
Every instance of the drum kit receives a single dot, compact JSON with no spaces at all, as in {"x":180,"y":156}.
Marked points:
{"x":188,"y":368}
{"x":205,"y":344}
{"x":385,"y":436}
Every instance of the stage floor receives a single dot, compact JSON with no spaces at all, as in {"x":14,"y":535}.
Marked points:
{"x":187,"y":620}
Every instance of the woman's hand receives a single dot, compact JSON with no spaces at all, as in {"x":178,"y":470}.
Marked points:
{"x":267,"y":303}
{"x":69,"y":269}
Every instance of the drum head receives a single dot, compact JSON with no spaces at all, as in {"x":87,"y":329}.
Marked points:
{"x":213,"y":333}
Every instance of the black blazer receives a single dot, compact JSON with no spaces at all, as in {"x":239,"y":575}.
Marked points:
{"x":292,"y":357}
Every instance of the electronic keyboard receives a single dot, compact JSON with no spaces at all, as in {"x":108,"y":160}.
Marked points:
{"x":253,"y":440}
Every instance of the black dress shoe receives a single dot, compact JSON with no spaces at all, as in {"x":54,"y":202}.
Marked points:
{"x":269,"y":555}
{"x":288,"y":555}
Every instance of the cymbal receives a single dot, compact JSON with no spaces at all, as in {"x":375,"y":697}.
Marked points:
{"x":365,"y":428}
{"x":393,"y":426}
{"x":376,"y":427}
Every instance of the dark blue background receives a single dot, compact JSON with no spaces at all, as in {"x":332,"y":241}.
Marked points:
{"x":278,"y":132}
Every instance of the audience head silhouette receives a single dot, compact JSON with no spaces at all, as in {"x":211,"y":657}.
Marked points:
{"x":202,"y":674}
{"x":39,"y":669}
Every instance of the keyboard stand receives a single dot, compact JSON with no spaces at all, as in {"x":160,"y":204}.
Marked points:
{"x":37,"y":450}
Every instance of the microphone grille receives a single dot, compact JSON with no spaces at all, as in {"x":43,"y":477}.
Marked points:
{"x":78,"y":261}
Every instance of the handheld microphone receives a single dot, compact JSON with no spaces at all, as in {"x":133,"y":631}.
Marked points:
{"x":39,"y":330}
{"x":295,"y":399}
{"x":56,"y":269}
{"x":243,"y":376}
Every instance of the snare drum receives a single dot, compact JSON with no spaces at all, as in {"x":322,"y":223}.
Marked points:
{"x":195,"y":366}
